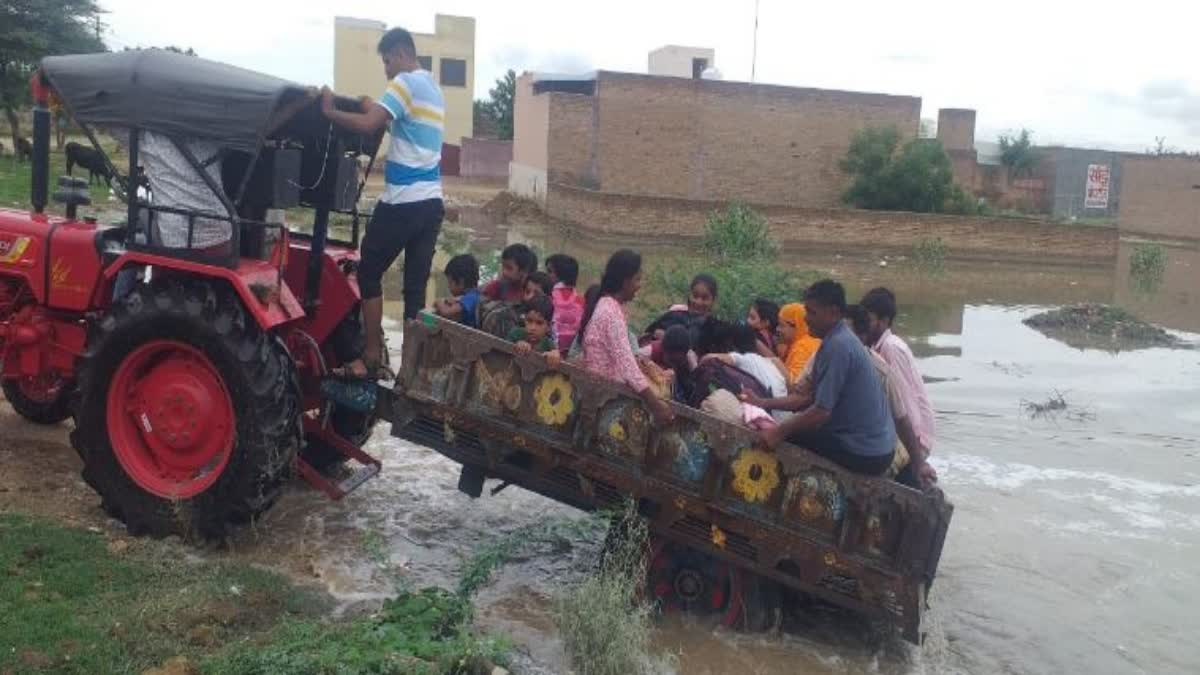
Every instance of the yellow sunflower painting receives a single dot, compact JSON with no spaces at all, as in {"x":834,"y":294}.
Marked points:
{"x":755,"y":475}
{"x":554,"y":399}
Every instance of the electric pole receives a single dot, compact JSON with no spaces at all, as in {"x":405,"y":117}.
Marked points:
{"x":754,"y":56}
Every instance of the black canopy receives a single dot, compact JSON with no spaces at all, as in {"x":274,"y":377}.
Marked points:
{"x":168,"y":93}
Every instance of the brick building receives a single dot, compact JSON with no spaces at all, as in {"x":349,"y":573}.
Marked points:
{"x":698,"y":139}
{"x":1160,"y":196}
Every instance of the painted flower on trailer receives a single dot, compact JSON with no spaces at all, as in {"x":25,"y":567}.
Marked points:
{"x":755,"y":475}
{"x":554,"y":399}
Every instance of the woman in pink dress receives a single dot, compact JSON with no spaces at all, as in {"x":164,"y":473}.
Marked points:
{"x":608,"y":349}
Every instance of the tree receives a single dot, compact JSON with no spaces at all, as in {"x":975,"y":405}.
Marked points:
{"x":1017,"y":153}
{"x":915,"y":177}
{"x":498,"y":109}
{"x":32,"y":29}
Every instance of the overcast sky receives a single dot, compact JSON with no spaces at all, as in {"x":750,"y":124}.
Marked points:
{"x":1105,"y":74}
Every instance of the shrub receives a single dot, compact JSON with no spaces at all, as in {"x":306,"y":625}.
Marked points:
{"x":930,"y":254}
{"x":741,"y":255}
{"x":737,"y":233}
{"x":605,"y":622}
{"x":915,"y":177}
{"x":1147,"y":266}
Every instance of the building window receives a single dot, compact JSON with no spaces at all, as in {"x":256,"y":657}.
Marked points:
{"x":698,"y":68}
{"x":426,"y":62}
{"x":454,"y":73}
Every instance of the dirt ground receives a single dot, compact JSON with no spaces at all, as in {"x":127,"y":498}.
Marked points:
{"x":39,"y":473}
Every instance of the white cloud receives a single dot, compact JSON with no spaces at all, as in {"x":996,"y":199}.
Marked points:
{"x":1071,"y":70}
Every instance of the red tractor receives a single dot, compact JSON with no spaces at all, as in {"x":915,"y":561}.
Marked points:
{"x":194,"y":376}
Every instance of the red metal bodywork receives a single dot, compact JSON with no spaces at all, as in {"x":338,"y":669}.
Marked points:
{"x":52,"y":275}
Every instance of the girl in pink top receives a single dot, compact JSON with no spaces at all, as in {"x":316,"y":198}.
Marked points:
{"x":607,"y":346}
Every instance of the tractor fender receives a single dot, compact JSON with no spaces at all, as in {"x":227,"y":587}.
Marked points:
{"x":258,"y":283}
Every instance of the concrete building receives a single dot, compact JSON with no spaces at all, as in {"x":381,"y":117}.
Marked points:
{"x":677,"y":61}
{"x":631,"y":134}
{"x":448,"y":53}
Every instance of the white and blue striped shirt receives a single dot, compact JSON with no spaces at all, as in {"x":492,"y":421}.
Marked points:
{"x":417,"y":108}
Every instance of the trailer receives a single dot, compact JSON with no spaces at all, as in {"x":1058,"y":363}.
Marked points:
{"x":731,"y":523}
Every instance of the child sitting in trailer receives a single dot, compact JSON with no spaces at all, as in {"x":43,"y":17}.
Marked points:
{"x":702,"y":297}
{"x":538,"y":283}
{"x":534,"y":336}
{"x":568,"y":304}
{"x":517,"y":262}
{"x":462,"y":278}
{"x":763,"y":317}
{"x":502,"y":296}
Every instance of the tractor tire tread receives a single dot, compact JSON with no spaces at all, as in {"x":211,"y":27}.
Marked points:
{"x":261,"y":380}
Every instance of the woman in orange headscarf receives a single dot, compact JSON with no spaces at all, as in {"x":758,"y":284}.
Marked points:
{"x":794,"y":337}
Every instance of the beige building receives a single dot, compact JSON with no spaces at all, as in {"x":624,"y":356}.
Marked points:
{"x":677,"y":61}
{"x":448,"y":53}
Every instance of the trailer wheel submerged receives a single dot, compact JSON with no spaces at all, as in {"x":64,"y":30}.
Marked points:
{"x":189,"y":417}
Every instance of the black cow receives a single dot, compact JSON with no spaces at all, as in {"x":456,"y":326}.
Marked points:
{"x":24,"y":149}
{"x":90,"y":159}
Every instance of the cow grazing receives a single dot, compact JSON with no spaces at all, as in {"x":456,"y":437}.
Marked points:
{"x":24,"y":149}
{"x":90,"y":159}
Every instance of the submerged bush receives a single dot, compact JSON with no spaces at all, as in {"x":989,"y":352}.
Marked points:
{"x":1147,"y":266}
{"x":605,"y":622}
{"x":737,"y":233}
{"x":930,"y":254}
{"x":741,"y":255}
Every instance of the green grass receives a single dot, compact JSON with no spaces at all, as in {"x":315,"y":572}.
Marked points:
{"x":72,"y":602}
{"x":73,"y":606}
{"x":15,"y":180}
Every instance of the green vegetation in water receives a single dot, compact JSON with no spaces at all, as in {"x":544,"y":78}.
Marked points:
{"x":1147,"y":267}
{"x":1095,"y":326}
{"x":75,"y":602}
{"x":740,"y":253}
{"x":605,"y":621}
{"x":929,"y":254}
{"x":738,"y":233}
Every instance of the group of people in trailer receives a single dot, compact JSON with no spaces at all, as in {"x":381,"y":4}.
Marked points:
{"x":820,"y":373}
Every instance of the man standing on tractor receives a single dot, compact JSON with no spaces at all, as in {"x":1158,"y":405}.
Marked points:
{"x":408,"y":216}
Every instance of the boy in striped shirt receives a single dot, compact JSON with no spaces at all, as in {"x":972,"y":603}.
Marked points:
{"x":408,"y":216}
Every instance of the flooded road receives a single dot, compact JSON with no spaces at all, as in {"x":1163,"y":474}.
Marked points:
{"x":1073,"y":547}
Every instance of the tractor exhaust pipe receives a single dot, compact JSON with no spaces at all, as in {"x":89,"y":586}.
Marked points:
{"x":39,"y":191}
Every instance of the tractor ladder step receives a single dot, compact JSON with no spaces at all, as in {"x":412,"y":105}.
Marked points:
{"x":368,"y":466}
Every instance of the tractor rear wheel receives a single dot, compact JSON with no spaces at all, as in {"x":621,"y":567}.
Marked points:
{"x":189,"y":413}
{"x":44,"y":399}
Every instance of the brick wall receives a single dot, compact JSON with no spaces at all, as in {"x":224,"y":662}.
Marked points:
{"x":633,"y":219}
{"x":484,"y":158}
{"x":1158,"y":196}
{"x":956,"y":128}
{"x":570,"y":145}
{"x":705,"y":139}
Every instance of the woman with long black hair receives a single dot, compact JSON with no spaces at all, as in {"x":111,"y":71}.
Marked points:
{"x":608,"y":348}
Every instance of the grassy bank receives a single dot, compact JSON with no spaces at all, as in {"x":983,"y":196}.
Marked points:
{"x":76,"y":602}
{"x":15,"y":180}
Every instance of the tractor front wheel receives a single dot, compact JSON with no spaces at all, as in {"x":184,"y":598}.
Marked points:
{"x":42,"y":399}
{"x":189,"y":412}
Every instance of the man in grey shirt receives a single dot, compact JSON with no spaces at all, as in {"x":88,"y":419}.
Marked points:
{"x":849,"y":421}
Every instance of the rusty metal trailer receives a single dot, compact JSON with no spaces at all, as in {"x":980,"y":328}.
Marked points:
{"x":789,"y":516}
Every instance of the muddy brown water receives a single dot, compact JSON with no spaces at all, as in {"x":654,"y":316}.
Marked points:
{"x":1073,"y":546}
